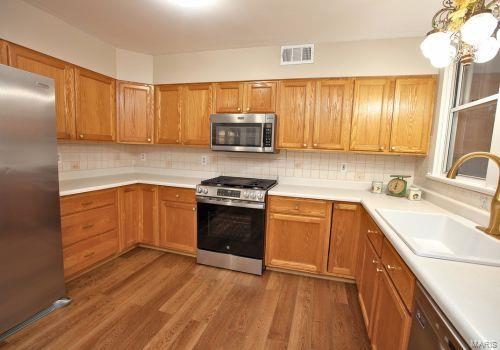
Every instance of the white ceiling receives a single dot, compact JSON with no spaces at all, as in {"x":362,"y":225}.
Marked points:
{"x":162,"y":27}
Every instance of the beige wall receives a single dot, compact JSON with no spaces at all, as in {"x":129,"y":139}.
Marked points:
{"x":357,"y":58}
{"x":133,"y":66}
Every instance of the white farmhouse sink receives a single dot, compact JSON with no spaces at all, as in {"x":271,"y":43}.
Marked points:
{"x":443,"y":237}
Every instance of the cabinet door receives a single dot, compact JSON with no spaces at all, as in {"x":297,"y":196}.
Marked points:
{"x":178,"y":226}
{"x":149,"y":229}
{"x":168,"y":100}
{"x":135,"y":113}
{"x":391,"y":324}
{"x":412,"y":116}
{"x":368,"y":284}
{"x":63,"y":75}
{"x":344,"y":237}
{"x":371,"y":116}
{"x":130,"y":215}
{"x":95,"y":106}
{"x":228,"y":97}
{"x":296,"y":242}
{"x":260,"y":97}
{"x":195,"y":115}
{"x":295,"y":113}
{"x":332,"y":118}
{"x":4,"y":52}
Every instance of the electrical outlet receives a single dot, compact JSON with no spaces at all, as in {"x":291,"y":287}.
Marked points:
{"x":142,"y":157}
{"x":204,"y":160}
{"x":483,"y":200}
{"x":343,"y":168}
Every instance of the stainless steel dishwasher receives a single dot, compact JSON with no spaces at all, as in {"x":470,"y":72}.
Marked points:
{"x":430,"y":328}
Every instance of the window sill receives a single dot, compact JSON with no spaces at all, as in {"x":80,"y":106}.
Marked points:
{"x":466,"y":183}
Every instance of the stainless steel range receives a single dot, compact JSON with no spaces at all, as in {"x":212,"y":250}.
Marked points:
{"x":232,"y":222}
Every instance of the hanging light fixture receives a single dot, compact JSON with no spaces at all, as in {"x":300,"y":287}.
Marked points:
{"x":463,"y":30}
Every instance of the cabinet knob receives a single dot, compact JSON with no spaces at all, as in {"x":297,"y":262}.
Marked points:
{"x":374,"y":261}
{"x":177,"y":196}
{"x":296,"y":207}
{"x":149,"y":139}
{"x":81,"y":136}
{"x":315,"y":145}
{"x":379,"y":269}
{"x":248,"y":109}
{"x":239,"y":109}
{"x":382,"y":148}
{"x":176,"y":141}
{"x":305,"y":144}
{"x":194,"y":208}
{"x":393,"y":267}
{"x":393,"y":148}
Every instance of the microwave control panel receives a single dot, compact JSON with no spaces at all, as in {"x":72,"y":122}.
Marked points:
{"x":268,"y":135}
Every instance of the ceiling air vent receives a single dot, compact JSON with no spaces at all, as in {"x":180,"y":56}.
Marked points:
{"x":297,"y":54}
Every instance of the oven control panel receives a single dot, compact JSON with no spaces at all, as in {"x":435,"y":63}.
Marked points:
{"x":253,"y":195}
{"x":228,"y":193}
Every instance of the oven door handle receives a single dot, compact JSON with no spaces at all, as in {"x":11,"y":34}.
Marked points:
{"x":231,"y":203}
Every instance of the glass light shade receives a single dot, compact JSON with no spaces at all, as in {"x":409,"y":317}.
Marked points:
{"x":437,"y":41}
{"x":443,"y":56}
{"x":478,"y":28}
{"x":486,"y":50}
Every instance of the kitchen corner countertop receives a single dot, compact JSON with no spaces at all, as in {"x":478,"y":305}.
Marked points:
{"x":75,"y":186}
{"x":468,"y":294}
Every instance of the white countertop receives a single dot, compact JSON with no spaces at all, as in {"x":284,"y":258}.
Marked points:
{"x":468,"y":294}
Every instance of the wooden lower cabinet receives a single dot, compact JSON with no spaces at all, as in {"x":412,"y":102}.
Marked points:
{"x":391,"y":322}
{"x":344,"y":239}
{"x":149,"y":218}
{"x":177,"y":219}
{"x":130,"y":215}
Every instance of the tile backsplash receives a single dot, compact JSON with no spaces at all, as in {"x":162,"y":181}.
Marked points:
{"x":314,"y":165}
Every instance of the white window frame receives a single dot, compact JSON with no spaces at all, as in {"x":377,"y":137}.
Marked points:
{"x":443,"y":135}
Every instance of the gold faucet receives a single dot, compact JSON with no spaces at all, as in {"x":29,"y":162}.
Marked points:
{"x":493,"y":228}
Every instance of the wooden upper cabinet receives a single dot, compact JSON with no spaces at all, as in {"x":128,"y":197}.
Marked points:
{"x":168,"y":101}
{"x":371,"y":116}
{"x":135,"y":112}
{"x":260,"y":97}
{"x":332,"y":117}
{"x":295,"y":111}
{"x":412,"y":115}
{"x":95,"y":106}
{"x":130,"y":215}
{"x":195,"y":114}
{"x":391,"y":323}
{"x":4,"y":52}
{"x":63,"y":75}
{"x":344,"y":239}
{"x":228,"y":97}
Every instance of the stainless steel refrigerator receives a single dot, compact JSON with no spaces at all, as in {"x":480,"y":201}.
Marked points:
{"x":31,"y":264}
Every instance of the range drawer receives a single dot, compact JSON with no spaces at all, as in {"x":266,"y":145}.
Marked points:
{"x":374,"y":235}
{"x":176,"y":194}
{"x":86,"y":253}
{"x":299,"y":206}
{"x":86,"y":201}
{"x":399,"y":273}
{"x":79,"y":226}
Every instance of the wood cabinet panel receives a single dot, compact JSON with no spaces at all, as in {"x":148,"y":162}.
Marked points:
{"x":195,"y":114}
{"x":344,"y":238}
{"x":82,"y":255}
{"x":399,"y":273}
{"x":368,"y":284}
{"x":371,"y":116}
{"x":95,"y":106}
{"x":412,"y":116}
{"x":375,"y":235}
{"x":295,"y":110}
{"x":130,"y":215}
{"x":391,"y":324}
{"x":63,"y":75}
{"x":260,"y":97}
{"x":135,"y":112}
{"x":228,"y":97}
{"x":4,"y":52}
{"x":296,"y":242}
{"x":332,"y":116}
{"x":177,"y":194}
{"x":79,"y":226}
{"x":149,"y":230}
{"x":299,"y":206}
{"x":178,"y":226}
{"x":85,"y":201}
{"x":168,"y":104}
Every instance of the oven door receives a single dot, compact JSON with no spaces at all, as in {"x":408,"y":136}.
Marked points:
{"x":230,"y":226}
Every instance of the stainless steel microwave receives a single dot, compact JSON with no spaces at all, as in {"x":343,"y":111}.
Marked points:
{"x":242,"y":132}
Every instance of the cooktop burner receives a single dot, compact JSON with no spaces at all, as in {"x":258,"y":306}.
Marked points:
{"x":240,"y":182}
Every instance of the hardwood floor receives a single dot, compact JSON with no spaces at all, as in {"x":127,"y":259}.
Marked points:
{"x":148,"y":299}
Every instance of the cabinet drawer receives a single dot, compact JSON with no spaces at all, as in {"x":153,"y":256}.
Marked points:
{"x":299,"y":206}
{"x":79,"y":226}
{"x":86,"y":201}
{"x":86,"y":253}
{"x":400,"y":274}
{"x":176,"y":194}
{"x":375,"y":235}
